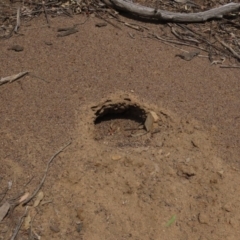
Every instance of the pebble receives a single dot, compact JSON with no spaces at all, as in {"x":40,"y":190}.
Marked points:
{"x":116,"y":157}
{"x":54,"y":228}
{"x":16,"y":48}
{"x":203,"y":218}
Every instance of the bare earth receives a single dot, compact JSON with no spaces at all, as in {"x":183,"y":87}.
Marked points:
{"x":181,"y":181}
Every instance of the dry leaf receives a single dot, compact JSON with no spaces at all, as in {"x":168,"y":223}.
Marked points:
{"x":4,"y":210}
{"x":188,"y":56}
{"x":149,"y":122}
{"x":38,"y":199}
{"x":24,"y":197}
{"x":27,"y":222}
{"x":154,"y":115}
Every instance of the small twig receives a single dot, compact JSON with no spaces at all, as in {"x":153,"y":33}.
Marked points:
{"x":45,"y":12}
{"x":138,"y":28}
{"x":210,"y":45}
{"x":177,"y":42}
{"x":29,"y":181}
{"x":78,"y":24}
{"x":235,"y":54}
{"x":67,"y":32}
{"x":199,"y":36}
{"x":12,"y":78}
{"x":4,"y":193}
{"x":32,"y":75}
{"x":46,"y":202}
{"x":177,"y":35}
{"x":138,"y":134}
{"x":19,"y":224}
{"x":171,"y":45}
{"x":45,"y":175}
{"x":229,"y":66}
{"x":133,"y":25}
{"x":18,"y":20}
{"x":131,"y":35}
{"x":30,"y":230}
{"x":215,"y":62}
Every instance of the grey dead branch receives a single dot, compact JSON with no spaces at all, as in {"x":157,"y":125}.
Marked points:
{"x":167,"y":16}
{"x":216,"y":33}
{"x":190,"y":37}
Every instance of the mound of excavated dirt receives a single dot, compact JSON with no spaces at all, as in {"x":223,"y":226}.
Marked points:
{"x":118,"y":181}
{"x":131,"y":186}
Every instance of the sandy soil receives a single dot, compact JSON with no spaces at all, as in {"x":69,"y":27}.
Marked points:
{"x":179,"y":181}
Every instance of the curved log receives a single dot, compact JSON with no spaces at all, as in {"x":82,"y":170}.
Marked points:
{"x":167,"y":16}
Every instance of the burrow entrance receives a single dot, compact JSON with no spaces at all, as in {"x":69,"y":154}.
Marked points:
{"x":120,"y":123}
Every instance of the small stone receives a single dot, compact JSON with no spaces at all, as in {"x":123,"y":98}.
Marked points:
{"x":79,"y":227}
{"x":80,"y":214}
{"x":16,"y":48}
{"x":54,"y":228}
{"x":116,"y":157}
{"x":167,"y":154}
{"x":214,"y":128}
{"x":186,"y":171}
{"x":203,"y":218}
{"x":228,"y":207}
{"x":220,"y":173}
{"x":102,"y":24}
{"x":234,"y":222}
{"x":48,"y":43}
{"x":170,"y":171}
{"x":188,"y":56}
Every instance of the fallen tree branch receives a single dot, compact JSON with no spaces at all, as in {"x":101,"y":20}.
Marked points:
{"x":158,"y":14}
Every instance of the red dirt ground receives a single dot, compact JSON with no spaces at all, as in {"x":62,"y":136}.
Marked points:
{"x":111,"y":182}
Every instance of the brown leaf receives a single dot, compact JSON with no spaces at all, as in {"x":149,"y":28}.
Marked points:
{"x":24,"y":197}
{"x":149,"y":122}
{"x":27,"y":222}
{"x":188,"y":56}
{"x":38,"y":199}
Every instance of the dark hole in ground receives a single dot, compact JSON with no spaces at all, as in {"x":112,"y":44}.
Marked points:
{"x":121,"y":111}
{"x":118,"y":123}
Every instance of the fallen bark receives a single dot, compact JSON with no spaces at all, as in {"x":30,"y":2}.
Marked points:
{"x":167,"y":16}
